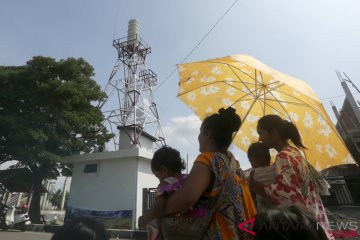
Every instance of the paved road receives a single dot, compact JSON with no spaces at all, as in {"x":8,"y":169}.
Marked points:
{"x":14,"y":235}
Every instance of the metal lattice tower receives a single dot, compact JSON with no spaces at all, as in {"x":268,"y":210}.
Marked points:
{"x":130,"y":88}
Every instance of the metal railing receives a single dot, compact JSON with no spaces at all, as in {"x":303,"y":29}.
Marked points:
{"x":149,"y":195}
{"x":344,"y":191}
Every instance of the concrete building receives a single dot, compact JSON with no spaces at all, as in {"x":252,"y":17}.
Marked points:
{"x":345,"y":179}
{"x":109,"y":185}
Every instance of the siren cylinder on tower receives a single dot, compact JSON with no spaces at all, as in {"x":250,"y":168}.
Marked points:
{"x":133,"y":30}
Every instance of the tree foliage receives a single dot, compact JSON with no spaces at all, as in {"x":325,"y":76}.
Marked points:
{"x":56,"y":198}
{"x":46,"y":112}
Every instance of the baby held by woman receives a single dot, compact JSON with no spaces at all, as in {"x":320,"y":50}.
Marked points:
{"x":167,"y":165}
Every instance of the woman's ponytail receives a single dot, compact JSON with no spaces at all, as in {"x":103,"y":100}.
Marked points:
{"x":287,"y":129}
{"x":291,"y":132}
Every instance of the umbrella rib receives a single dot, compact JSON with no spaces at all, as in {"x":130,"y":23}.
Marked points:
{"x":256,"y":85}
{"x":276,"y":90}
{"x":208,"y":84}
{"x":262,"y":107}
{"x":292,"y":103}
{"x":303,"y":150}
{"x":271,"y":89}
{"x":264,"y":97}
{"x":247,"y":113}
{"x":283,"y":107}
{"x":306,"y":104}
{"x":190,"y":90}
{"x":245,"y":72}
{"x":226,"y":82}
{"x":231,"y":68}
{"x":270,"y":106}
{"x":262,"y":79}
{"x":331,"y":125}
{"x":283,"y":101}
{"x":248,"y":93}
{"x":293,"y":97}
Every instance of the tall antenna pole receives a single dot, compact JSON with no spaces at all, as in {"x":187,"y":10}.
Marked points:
{"x":129,"y":89}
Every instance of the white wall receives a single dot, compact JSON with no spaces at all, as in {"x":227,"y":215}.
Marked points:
{"x":111,"y":188}
{"x":146,"y":179}
{"x":117,"y":185}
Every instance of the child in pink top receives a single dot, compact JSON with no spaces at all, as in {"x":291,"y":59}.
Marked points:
{"x":167,"y":165}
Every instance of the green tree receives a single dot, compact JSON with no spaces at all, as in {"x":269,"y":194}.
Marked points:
{"x":55,"y":198}
{"x":47,"y":111}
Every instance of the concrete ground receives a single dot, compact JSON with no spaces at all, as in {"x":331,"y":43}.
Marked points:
{"x":335,"y":214}
{"x":349,"y":211}
{"x":342,"y":216}
{"x":16,"y":235}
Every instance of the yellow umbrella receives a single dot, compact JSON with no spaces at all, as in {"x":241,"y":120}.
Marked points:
{"x":255,"y":90}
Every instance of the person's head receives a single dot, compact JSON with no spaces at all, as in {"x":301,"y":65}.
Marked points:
{"x":81,"y":229}
{"x":273,"y":130}
{"x":166,"y":162}
{"x":287,"y":223}
{"x":259,"y":155}
{"x":217,"y":130}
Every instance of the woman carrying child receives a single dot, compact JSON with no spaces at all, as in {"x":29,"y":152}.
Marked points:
{"x":216,"y":178}
{"x":296,"y":181}
{"x":167,"y":165}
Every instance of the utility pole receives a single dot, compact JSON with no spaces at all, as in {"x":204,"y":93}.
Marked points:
{"x":43,"y":206}
{"x":349,"y":96}
{"x":63,"y":195}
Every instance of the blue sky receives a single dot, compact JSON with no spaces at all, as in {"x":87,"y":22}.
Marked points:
{"x":305,"y":39}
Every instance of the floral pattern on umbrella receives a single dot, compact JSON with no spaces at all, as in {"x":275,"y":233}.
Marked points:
{"x":255,"y":90}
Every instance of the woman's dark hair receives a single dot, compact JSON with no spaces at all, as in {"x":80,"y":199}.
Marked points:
{"x":259,"y":151}
{"x":287,"y":223}
{"x":168,"y":157}
{"x":222,"y":125}
{"x":287,"y":129}
{"x":81,"y":229}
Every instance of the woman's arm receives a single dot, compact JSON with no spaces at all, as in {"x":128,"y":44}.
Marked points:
{"x":195,"y":185}
{"x":259,"y":189}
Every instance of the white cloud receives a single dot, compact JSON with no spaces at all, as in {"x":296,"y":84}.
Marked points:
{"x":182,"y":131}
